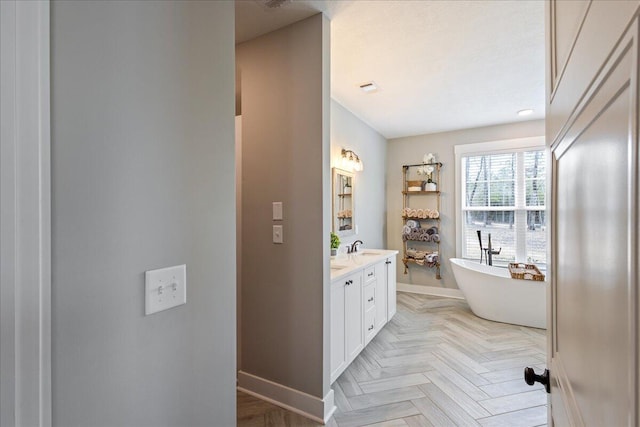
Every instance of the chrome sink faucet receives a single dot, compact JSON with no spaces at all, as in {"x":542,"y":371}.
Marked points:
{"x":354,"y":247}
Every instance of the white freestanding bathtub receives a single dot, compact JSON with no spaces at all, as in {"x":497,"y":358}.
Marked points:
{"x":492,"y":294}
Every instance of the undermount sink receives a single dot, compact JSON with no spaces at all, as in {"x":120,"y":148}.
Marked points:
{"x":369,"y":253}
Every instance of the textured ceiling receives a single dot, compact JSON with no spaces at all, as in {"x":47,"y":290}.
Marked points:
{"x":439,"y":65}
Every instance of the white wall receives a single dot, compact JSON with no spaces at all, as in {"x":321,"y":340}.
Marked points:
{"x":285,"y":157}
{"x":351,"y":133}
{"x":410,"y":150}
{"x":143,"y":178}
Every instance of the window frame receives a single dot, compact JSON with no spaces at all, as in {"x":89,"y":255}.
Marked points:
{"x":515,"y":145}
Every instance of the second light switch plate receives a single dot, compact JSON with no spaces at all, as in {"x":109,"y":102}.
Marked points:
{"x":277,"y":234}
{"x":277,"y":211}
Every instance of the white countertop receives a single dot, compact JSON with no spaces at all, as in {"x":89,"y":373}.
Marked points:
{"x":342,"y":265}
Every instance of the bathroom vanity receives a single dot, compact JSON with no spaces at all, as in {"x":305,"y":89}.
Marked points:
{"x":363,"y":300}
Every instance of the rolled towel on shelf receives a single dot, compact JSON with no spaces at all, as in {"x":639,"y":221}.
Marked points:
{"x":413,"y":224}
{"x":432,"y":257}
{"x":432,"y":230}
{"x":406,"y":229}
{"x":435,"y":238}
{"x":420,"y":213}
{"x":421,"y":254}
{"x":435,"y":214}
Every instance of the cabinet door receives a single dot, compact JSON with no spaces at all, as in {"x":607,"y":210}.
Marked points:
{"x":354,"y":315}
{"x":381,"y":295}
{"x":337,"y":337}
{"x":369,"y":325}
{"x":391,"y":286}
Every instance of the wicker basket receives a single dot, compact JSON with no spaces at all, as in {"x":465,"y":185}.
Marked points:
{"x":523,"y":271}
{"x":414,"y":183}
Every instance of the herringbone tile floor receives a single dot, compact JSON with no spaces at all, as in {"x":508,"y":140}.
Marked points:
{"x":434,"y":364}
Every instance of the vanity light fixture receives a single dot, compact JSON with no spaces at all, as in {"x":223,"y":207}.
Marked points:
{"x":526,"y":112}
{"x":351,"y":161}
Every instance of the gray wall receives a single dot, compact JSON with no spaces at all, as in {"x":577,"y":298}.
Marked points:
{"x":351,"y":133}
{"x":410,"y":150}
{"x":285,"y":157}
{"x":143,"y":178}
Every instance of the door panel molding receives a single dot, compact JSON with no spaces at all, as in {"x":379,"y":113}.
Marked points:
{"x":609,"y":102}
{"x":561,"y":384}
{"x":590,"y":51}
{"x":25,"y":219}
{"x":558,"y":64}
{"x":592,"y":104}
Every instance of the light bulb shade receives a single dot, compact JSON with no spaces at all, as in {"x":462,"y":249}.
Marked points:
{"x":346,"y":164}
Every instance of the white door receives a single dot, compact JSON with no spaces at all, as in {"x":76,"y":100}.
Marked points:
{"x":354,"y":316}
{"x":391,"y":286}
{"x":592,"y":130}
{"x":381,"y":295}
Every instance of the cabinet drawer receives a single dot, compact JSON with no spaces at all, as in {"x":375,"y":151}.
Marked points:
{"x":369,"y":273}
{"x":369,"y":296}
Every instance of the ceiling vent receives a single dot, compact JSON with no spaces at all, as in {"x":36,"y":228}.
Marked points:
{"x":369,"y":87}
{"x":274,"y":4}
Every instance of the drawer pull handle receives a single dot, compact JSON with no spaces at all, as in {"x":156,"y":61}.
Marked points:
{"x":388,"y":262}
{"x":370,"y":274}
{"x":370,"y":328}
{"x":370,"y":299}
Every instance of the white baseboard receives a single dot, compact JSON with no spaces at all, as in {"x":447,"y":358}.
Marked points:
{"x":314,"y":408}
{"x":430,"y":290}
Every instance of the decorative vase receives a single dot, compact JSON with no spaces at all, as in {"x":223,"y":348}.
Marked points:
{"x":430,"y":186}
{"x":334,"y":252}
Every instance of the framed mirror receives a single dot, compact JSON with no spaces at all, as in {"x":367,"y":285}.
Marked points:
{"x":344,"y":213}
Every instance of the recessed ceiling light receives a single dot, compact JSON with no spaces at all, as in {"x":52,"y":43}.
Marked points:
{"x":526,"y":112}
{"x":369,"y":87}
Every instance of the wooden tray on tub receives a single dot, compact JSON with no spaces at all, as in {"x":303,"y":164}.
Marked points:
{"x":524,"y":271}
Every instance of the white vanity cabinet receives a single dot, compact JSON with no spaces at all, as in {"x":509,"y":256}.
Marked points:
{"x":363,"y":300}
{"x":347,"y":338}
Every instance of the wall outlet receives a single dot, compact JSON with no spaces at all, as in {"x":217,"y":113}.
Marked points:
{"x":165,"y":288}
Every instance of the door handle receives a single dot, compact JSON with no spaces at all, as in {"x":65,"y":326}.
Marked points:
{"x":530,"y":377}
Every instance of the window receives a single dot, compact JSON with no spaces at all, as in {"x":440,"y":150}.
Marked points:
{"x":501,"y":188}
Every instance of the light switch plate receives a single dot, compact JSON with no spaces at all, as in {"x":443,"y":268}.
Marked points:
{"x":277,"y":211}
{"x":277,"y":234}
{"x":165,"y":288}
